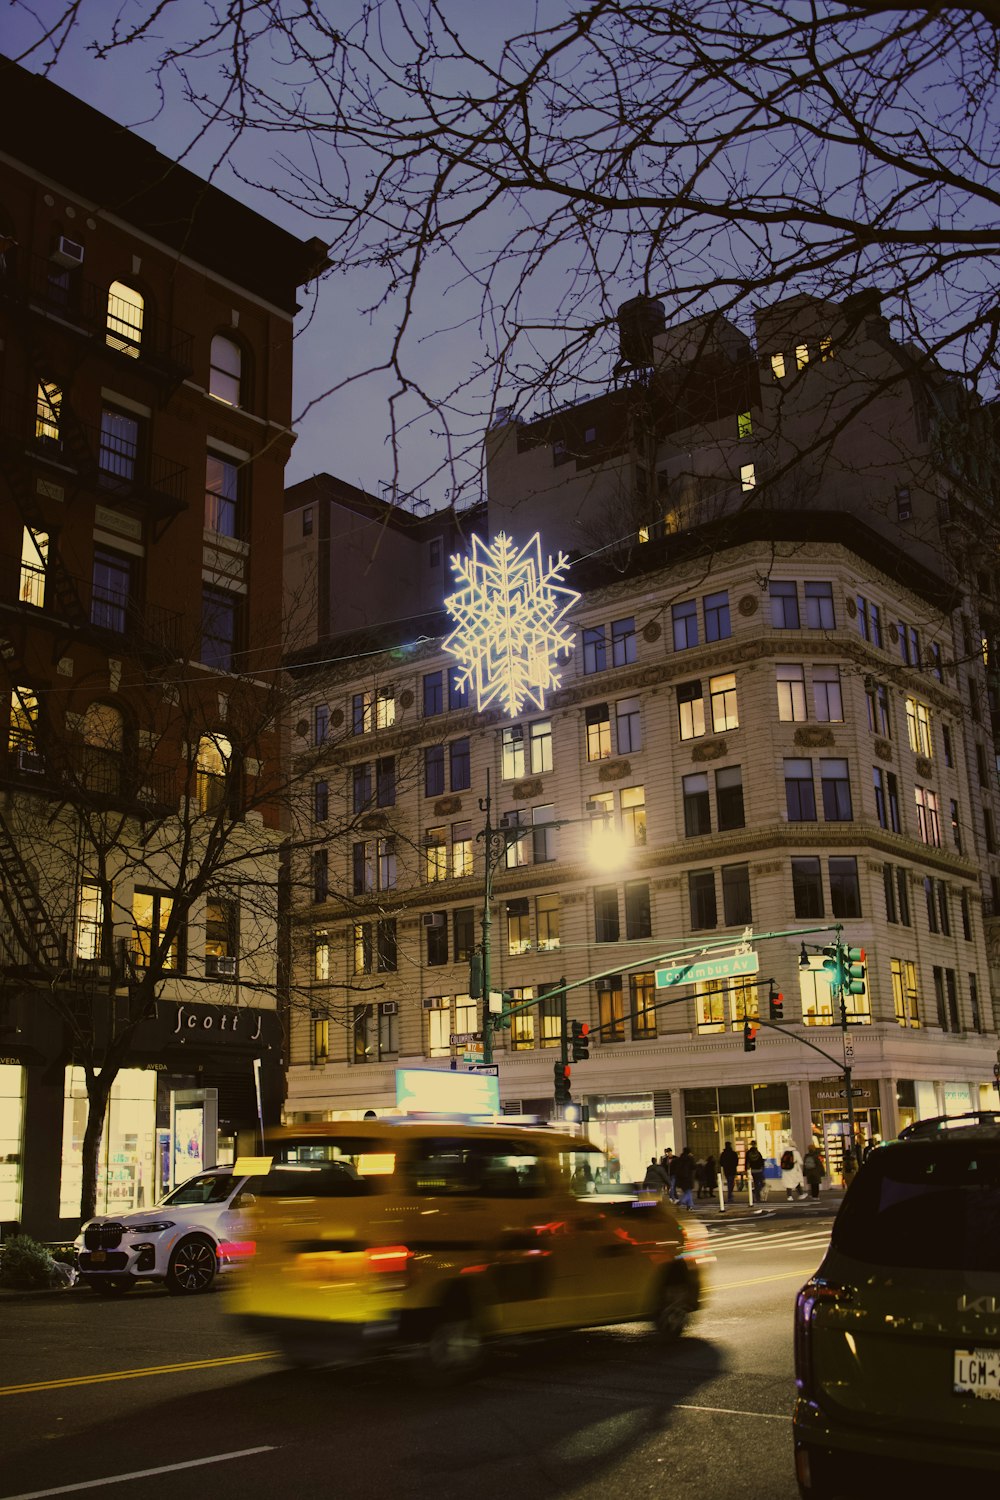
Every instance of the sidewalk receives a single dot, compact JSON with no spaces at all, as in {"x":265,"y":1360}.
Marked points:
{"x":774,"y":1206}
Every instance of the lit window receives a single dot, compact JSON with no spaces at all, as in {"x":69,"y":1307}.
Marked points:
{"x":151,"y":913}
{"x":512,"y":752}
{"x":385,"y":708}
{"x":547,"y":922}
{"x":598,"y":721}
{"x":540,"y":744}
{"x":124,"y":326}
{"x":435,"y":855}
{"x":801,"y":356}
{"x":791,"y":693}
{"x":461,"y":849}
{"x":34,"y":561}
{"x":905,"y":1001}
{"x":778,"y":366}
{"x":826,"y":348}
{"x":221,"y":489}
{"x":212,"y":768}
{"x":321,"y":956}
{"x":722,"y":695}
{"x":22,"y":738}
{"x":690,"y":710}
{"x":633,"y":802}
{"x":48,"y":412}
{"x":744,"y":423}
{"x":918,"y":727}
{"x":225,"y":370}
{"x":928,"y":817}
{"x":748,"y":477}
{"x":90,"y":921}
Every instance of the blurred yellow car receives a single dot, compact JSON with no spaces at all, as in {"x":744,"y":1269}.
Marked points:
{"x":435,"y":1237}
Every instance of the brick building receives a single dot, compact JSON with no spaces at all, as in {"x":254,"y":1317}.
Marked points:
{"x":146,"y":324}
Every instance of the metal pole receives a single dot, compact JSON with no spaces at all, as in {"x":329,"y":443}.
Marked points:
{"x":487,"y":892}
{"x":850,"y":1156}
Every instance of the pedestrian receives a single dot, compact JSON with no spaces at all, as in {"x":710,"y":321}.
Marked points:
{"x":814,"y":1169}
{"x":791,"y":1172}
{"x":655,"y":1177}
{"x":872,"y":1144}
{"x":755,"y":1166}
{"x":730,"y":1163}
{"x":711,"y":1176}
{"x":684,"y":1177}
{"x":667,"y":1161}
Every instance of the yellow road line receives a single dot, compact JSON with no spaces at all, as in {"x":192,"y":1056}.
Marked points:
{"x":723,"y":1286}
{"x":192,"y":1364}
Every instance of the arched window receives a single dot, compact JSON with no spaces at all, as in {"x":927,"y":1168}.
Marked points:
{"x":225,"y":371}
{"x":125,"y":311}
{"x":103,"y":730}
{"x":214,"y":764}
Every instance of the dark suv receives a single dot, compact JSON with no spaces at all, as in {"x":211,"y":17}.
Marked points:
{"x":897,"y":1336}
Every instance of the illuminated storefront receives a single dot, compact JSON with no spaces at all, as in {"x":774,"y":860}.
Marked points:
{"x":739,"y":1113}
{"x":11,"y":1140}
{"x":126,"y":1176}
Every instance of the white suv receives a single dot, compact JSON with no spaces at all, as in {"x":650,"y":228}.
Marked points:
{"x":184,"y":1241}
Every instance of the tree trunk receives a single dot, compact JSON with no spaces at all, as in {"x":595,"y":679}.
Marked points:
{"x":98,"y":1090}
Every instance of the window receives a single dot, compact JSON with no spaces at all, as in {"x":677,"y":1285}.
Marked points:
{"x":932,"y":921}
{"x":729,"y":798}
{"x":512,"y":752}
{"x":124,"y":322}
{"x":736,"y":908}
{"x":361,"y":786}
{"x":918,"y":727}
{"x":221,"y":624}
{"x":22,"y":738}
{"x":748,"y":477}
{"x":321,"y":723}
{"x":956,"y":826}
{"x":716,"y":611}
{"x":435,"y":855}
{"x":710,"y":1005}
{"x":623,"y":649}
{"x":819,"y":606}
{"x":436,"y":928}
{"x":320,"y":874}
{"x":543,"y":837}
{"x":827,"y":697}
{"x":685,"y":622}
{"x":638,"y":918}
{"x":628,"y":729}
{"x":845,"y":891}
{"x":90,"y":921}
{"x":103,"y":732}
{"x":34,"y":561}
{"x":904,"y":996}
{"x":977,"y":1020}
{"x":549,"y":1016}
{"x":320,"y":1038}
{"x":791,"y":682}
{"x":321,"y":955}
{"x":119,"y":445}
{"x":642,"y":996}
{"x":836,"y":786}
{"x":928,"y":820}
{"x":801,"y":356}
{"x":225,"y":370}
{"x":461,"y":849}
{"x":213,"y":767}
{"x":610,"y":1009}
{"x":869,"y":621}
{"x":633,"y":805}
{"x":701,"y":898}
{"x":595,"y":649}
{"x":540,"y":746}
{"x":518,"y":927}
{"x":307,"y":521}
{"x":433,"y":694}
{"x":949,"y":754}
{"x":463,"y":933}
{"x":547,"y":922}
{"x":722,"y":694}
{"x":373,"y":865}
{"x":221,"y":495}
{"x":598,"y":722}
{"x":514,"y":855}
{"x":48,"y":412}
{"x":606,"y":928}
{"x":744,"y":423}
{"x":981,"y":768}
{"x":221,"y":928}
{"x":111,"y":591}
{"x":690,"y":710}
{"x":888,"y":881}
{"x":151,"y":913}
{"x":800,"y":791}
{"x":459,"y":765}
{"x":778,"y":366}
{"x":362,"y":713}
{"x":784,"y":605}
{"x":886,"y":799}
{"x":433,"y":770}
{"x":522,"y":1024}
{"x":385,"y":708}
{"x":989,"y":831}
{"x":877,"y":700}
{"x":697,"y":812}
{"x":897,"y":894}
{"x":385,"y":781}
{"x":458,"y":689}
{"x":966,"y":917}
{"x":807,"y":887}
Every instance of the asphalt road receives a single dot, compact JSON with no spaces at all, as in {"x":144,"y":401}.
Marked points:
{"x":164,"y":1394}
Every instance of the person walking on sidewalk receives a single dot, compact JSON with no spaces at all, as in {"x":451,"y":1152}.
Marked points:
{"x":730,"y":1164}
{"x":814,"y":1168}
{"x":684,"y":1178}
{"x":655,"y":1177}
{"x":755,"y":1166}
{"x":791,"y":1172}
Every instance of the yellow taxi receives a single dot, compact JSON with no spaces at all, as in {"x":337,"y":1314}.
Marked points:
{"x":437,"y":1236}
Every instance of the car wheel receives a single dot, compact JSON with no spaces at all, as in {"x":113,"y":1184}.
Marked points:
{"x":673,"y":1309}
{"x":454,"y":1348}
{"x":192,"y":1268}
{"x":113,"y":1288}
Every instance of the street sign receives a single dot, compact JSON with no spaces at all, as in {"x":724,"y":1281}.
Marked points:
{"x":472,"y":1054}
{"x":460,"y":1038}
{"x":490,"y":1068}
{"x":848,"y":1049}
{"x":730,"y":967}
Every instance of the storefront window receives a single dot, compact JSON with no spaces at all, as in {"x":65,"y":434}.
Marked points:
{"x":125,"y":1177}
{"x":11,"y":1138}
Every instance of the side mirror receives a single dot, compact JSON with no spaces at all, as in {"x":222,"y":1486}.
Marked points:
{"x":243,"y":1200}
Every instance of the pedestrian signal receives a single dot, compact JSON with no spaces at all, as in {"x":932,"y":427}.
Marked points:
{"x":580,"y":1040}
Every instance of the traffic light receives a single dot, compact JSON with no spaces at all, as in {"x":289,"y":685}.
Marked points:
{"x":854,"y":970}
{"x":749,"y":1037}
{"x":580,"y":1040}
{"x":561,"y":1090}
{"x":833,"y":963}
{"x":775,"y":1002}
{"x":476,"y":976}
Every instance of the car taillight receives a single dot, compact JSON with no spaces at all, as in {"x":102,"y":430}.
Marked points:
{"x":815,"y":1294}
{"x":389,"y":1259}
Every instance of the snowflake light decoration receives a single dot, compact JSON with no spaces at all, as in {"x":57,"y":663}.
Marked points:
{"x":508,"y":631}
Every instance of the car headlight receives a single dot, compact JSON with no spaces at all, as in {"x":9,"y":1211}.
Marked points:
{"x":153,"y":1227}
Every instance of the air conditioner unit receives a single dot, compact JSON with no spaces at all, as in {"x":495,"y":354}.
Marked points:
{"x":220,"y":967}
{"x":431,"y":1002}
{"x":30,"y":760}
{"x":67,"y":253}
{"x":388,"y":1008}
{"x":433,"y":918}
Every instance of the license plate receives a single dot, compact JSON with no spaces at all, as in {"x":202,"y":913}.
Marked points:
{"x":97,"y":1256}
{"x":977,"y":1373}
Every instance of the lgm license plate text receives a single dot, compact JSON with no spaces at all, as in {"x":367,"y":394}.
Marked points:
{"x":977,"y":1373}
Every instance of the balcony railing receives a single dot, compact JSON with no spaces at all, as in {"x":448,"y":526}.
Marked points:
{"x":90,"y":773}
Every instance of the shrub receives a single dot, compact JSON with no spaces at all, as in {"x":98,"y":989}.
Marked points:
{"x":26,"y":1264}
